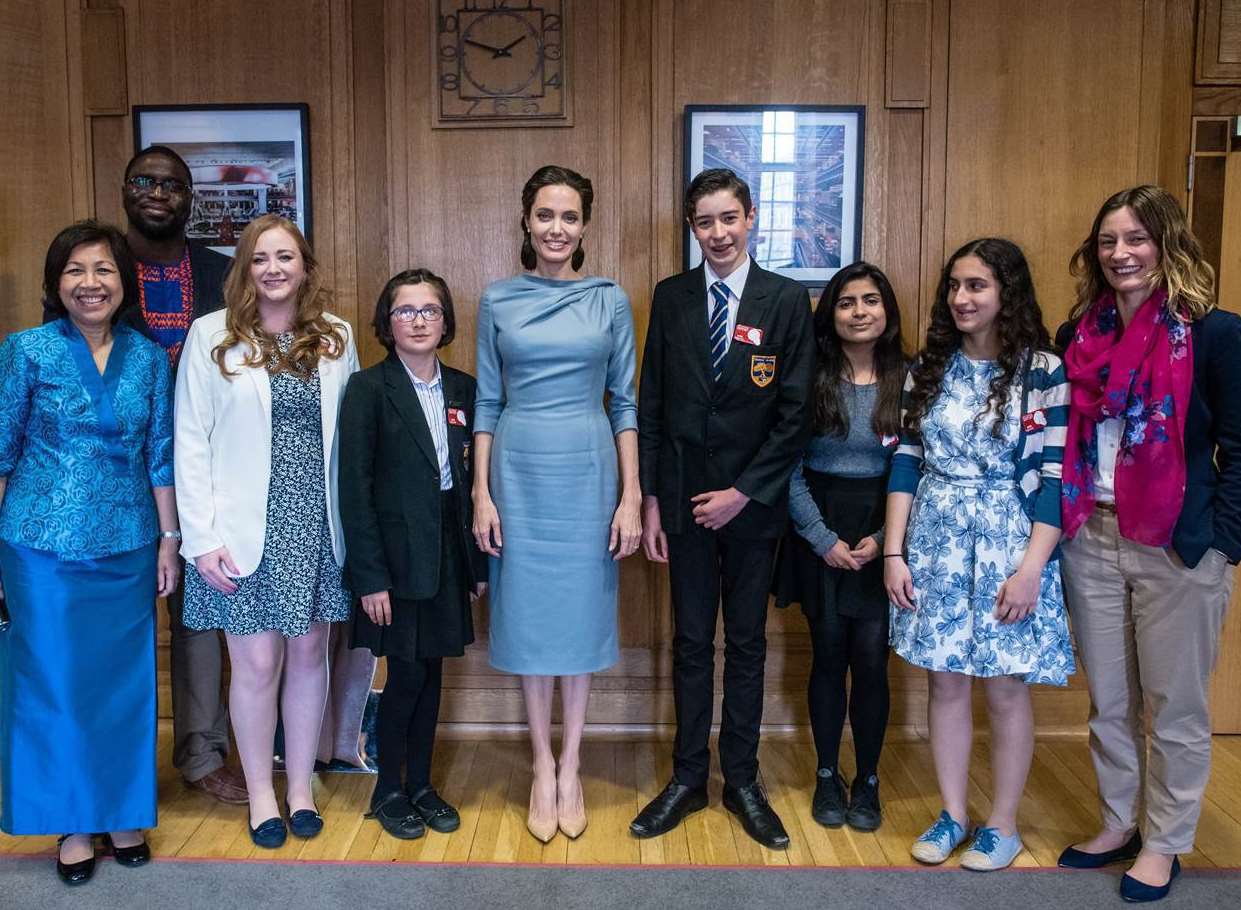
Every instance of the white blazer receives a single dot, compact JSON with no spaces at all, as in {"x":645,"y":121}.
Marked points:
{"x":222,"y":445}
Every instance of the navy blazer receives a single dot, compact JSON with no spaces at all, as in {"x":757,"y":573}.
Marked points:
{"x":1211,"y":511}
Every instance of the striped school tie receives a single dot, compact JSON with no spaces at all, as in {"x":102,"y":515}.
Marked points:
{"x":719,"y":329}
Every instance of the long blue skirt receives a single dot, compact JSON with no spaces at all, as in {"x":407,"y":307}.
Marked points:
{"x":77,"y":693}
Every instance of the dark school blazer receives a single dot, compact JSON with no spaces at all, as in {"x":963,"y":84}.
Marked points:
{"x":389,"y":482}
{"x":1211,"y":511}
{"x":746,"y":431}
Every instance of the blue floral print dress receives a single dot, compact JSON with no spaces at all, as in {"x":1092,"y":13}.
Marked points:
{"x":967,"y":533}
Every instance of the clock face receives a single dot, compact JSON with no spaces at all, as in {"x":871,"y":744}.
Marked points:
{"x":500,"y":63}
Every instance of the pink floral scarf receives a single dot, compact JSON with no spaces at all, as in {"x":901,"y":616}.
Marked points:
{"x":1144,"y":376}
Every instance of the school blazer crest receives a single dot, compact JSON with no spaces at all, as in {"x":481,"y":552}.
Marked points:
{"x":222,"y":445}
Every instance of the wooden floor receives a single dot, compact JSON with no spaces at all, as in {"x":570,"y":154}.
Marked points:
{"x":489,"y":781}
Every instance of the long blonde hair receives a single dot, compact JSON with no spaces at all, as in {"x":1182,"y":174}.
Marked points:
{"x":314,"y":335}
{"x":1182,"y":270}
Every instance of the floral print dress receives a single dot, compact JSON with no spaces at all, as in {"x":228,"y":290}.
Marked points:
{"x":967,"y":533}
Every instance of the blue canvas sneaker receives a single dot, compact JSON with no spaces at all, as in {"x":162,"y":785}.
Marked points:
{"x":938,"y":841}
{"x":991,"y":850}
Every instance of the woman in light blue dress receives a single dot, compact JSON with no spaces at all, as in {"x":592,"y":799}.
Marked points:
{"x":86,"y":489}
{"x":550,"y":508}
{"x":975,"y":583}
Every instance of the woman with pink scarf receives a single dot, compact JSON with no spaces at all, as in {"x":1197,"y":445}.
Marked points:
{"x":1152,"y":513}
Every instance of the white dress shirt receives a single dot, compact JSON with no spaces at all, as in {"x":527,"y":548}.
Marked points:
{"x":1107,"y":438}
{"x":431,"y":397}
{"x":735,"y":283}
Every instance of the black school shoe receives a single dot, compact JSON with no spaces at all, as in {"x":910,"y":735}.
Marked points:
{"x":438,"y":815}
{"x":78,"y":873}
{"x":137,"y":855}
{"x":397,"y":816}
{"x":827,"y":807}
{"x":864,"y":813}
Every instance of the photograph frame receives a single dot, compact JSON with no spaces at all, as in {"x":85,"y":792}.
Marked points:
{"x":278,"y":132}
{"x":781,"y":247}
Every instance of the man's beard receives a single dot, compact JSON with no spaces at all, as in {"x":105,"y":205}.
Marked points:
{"x":174,"y":228}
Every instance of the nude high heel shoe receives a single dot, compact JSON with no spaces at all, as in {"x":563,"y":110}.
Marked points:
{"x":572,"y":824}
{"x":543,"y":829}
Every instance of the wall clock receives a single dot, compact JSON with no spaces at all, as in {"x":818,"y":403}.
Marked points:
{"x":501,"y":63}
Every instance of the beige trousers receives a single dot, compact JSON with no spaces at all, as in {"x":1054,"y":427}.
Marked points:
{"x":1147,"y":631}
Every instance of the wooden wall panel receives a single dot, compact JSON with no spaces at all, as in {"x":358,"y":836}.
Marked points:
{"x":36,"y":184}
{"x":1219,"y":42}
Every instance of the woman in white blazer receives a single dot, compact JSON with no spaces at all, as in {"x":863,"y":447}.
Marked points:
{"x":258,"y":391}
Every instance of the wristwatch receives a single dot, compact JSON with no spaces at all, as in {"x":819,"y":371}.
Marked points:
{"x":170,"y":535}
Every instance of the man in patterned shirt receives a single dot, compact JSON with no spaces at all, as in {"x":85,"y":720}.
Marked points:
{"x":180,"y":280}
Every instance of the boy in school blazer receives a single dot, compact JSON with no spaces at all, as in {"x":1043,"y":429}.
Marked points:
{"x":722,"y":419}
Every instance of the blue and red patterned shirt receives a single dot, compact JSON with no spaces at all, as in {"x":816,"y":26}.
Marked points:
{"x":167,"y":297}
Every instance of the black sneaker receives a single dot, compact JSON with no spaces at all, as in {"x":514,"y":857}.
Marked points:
{"x":828,"y":805}
{"x":864,"y":813}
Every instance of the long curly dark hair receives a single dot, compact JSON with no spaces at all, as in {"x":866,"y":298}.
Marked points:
{"x":830,"y":417}
{"x":1019,"y":324}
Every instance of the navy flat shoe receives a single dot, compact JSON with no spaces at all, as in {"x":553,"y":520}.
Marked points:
{"x":1072,"y":858}
{"x":304,"y":823}
{"x":269,"y":834}
{"x":137,"y":855}
{"x":1136,"y":892}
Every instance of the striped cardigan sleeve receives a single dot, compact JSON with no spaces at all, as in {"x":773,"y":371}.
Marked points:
{"x":907,"y":461}
{"x":1049,"y":393}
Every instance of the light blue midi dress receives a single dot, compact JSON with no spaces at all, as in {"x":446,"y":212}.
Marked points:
{"x":547,"y":352}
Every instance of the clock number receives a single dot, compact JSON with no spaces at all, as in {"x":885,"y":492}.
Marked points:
{"x":552,"y":81}
{"x":448,"y":52}
{"x":551,"y":23}
{"x":500,"y":106}
{"x":449,"y":82}
{"x":551,"y":51}
{"x":530,"y":107}
{"x":448,"y":25}
{"x":473,"y":107}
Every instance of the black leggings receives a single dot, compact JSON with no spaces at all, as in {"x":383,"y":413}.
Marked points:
{"x":405,"y":728}
{"x":844,"y":644}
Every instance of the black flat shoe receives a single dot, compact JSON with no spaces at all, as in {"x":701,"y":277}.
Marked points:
{"x":1136,"y":892}
{"x":1072,"y":858}
{"x":668,"y":810}
{"x":78,"y":873}
{"x":304,"y":823}
{"x":827,"y":807}
{"x":137,"y":855}
{"x":396,"y":815}
{"x":864,"y":813}
{"x":269,"y":834}
{"x":749,"y":804}
{"x":438,"y":815}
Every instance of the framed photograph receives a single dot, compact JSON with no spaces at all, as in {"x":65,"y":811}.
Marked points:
{"x":803,"y":164}
{"x":246,"y":160}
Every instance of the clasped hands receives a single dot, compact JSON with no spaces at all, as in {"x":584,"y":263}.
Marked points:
{"x":623,"y":539}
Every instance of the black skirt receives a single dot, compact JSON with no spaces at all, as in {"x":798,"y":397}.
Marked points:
{"x":440,"y":626}
{"x":853,"y":507}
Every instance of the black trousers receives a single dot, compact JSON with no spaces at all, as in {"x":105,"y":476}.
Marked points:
{"x":857,"y":647}
{"x":707,"y":569}
{"x":405,"y":726}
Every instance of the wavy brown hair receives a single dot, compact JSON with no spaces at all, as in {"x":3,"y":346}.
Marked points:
{"x":314,"y":336}
{"x":1019,"y":325}
{"x":830,"y":417}
{"x":1182,"y":270}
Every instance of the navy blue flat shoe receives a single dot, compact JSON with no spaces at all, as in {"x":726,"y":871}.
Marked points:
{"x":1136,"y":892}
{"x":1072,"y":858}
{"x":304,"y":823}
{"x":269,"y":834}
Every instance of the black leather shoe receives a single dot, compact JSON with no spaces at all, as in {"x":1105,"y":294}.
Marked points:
{"x":1136,"y":892}
{"x":270,"y":834}
{"x":137,"y":855}
{"x":438,"y":815}
{"x":78,"y":873}
{"x":396,"y":815}
{"x":1072,"y":858}
{"x":828,"y":805}
{"x":304,"y":823}
{"x":667,"y":810}
{"x":749,"y":803}
{"x":864,"y":813}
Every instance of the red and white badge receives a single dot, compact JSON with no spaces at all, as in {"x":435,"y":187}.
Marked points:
{"x":1033,"y":421}
{"x":456,"y":417}
{"x":747,"y":334}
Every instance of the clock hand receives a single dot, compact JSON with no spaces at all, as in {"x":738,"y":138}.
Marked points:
{"x":496,"y":52}
{"x":512,"y":44}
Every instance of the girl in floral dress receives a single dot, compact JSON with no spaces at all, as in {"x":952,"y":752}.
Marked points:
{"x":973,"y":521}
